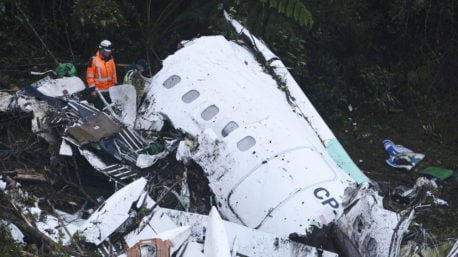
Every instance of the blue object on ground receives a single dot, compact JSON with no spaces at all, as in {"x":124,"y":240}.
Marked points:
{"x":400,"y":156}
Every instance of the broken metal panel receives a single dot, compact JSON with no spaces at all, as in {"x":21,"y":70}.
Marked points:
{"x":53,"y":227}
{"x":40,"y":122}
{"x":119,"y":172}
{"x":59,"y":87}
{"x":65,"y":149}
{"x":16,"y":233}
{"x":368,"y":229}
{"x":93,"y":159}
{"x":151,"y":226}
{"x":216,"y":241}
{"x":133,"y":139}
{"x":52,"y":101}
{"x":83,"y":110}
{"x":94,"y":128}
{"x":6,"y":100}
{"x":113,"y":213}
{"x":192,"y":249}
{"x":246,"y":241}
{"x":124,"y":97}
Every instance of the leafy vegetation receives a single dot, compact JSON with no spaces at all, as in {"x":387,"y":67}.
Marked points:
{"x":9,"y":247}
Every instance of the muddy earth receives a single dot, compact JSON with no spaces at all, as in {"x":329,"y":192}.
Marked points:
{"x":431,"y":131}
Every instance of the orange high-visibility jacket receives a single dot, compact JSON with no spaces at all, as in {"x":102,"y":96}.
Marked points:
{"x":100,"y":73}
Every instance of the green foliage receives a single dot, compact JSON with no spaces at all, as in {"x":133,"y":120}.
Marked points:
{"x":294,"y":9}
{"x":97,"y":19}
{"x":9,"y":248}
{"x":378,"y":89}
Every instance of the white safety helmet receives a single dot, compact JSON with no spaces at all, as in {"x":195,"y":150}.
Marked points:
{"x":106,"y":46}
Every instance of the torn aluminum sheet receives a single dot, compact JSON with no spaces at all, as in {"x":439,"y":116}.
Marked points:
{"x":216,"y":241}
{"x":40,"y":122}
{"x":59,"y":87}
{"x":7,"y":100}
{"x":245,"y":241}
{"x":97,"y":127}
{"x":51,"y":90}
{"x":113,"y":212}
{"x":59,"y":227}
{"x":365,"y":221}
{"x":83,"y":126}
{"x":16,"y":233}
{"x":273,"y":164}
{"x":65,"y":149}
{"x":124,"y":97}
{"x":190,"y":234}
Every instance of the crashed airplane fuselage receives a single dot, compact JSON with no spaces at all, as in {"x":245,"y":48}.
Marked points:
{"x":263,"y":160}
{"x":271,"y":161}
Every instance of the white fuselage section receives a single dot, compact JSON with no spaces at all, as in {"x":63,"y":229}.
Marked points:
{"x":266,"y":165}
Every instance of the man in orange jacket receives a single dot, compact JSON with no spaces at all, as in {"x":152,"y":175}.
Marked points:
{"x":101,"y":70}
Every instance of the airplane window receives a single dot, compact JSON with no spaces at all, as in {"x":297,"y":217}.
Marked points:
{"x":209,"y":112}
{"x":231,"y":126}
{"x":372,"y":246}
{"x":171,"y":81}
{"x":148,"y":250}
{"x":190,"y":96}
{"x":246,"y":143}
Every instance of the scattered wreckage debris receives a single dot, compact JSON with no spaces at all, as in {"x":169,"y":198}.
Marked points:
{"x":436,"y":172}
{"x":401,"y":156}
{"x":233,"y":127}
{"x":113,"y":230}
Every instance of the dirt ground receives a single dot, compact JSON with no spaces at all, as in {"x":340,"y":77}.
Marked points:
{"x":431,"y":132}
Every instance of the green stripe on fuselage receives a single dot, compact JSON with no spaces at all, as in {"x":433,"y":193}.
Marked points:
{"x":343,"y":160}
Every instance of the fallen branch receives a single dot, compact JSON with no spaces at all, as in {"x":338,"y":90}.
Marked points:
{"x":27,"y":254}
{"x":65,"y":228}
{"x":150,"y":216}
{"x":29,"y":175}
{"x":26,"y":226}
{"x":35,"y":32}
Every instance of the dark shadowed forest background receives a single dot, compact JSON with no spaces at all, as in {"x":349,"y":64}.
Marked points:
{"x":373,"y":69}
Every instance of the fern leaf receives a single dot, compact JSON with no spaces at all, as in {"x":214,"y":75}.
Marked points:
{"x":293,"y":9}
{"x":282,"y":6}
{"x":273,"y":4}
{"x":297,"y":11}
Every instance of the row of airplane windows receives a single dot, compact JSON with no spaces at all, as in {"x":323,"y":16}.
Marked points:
{"x":210,"y":112}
